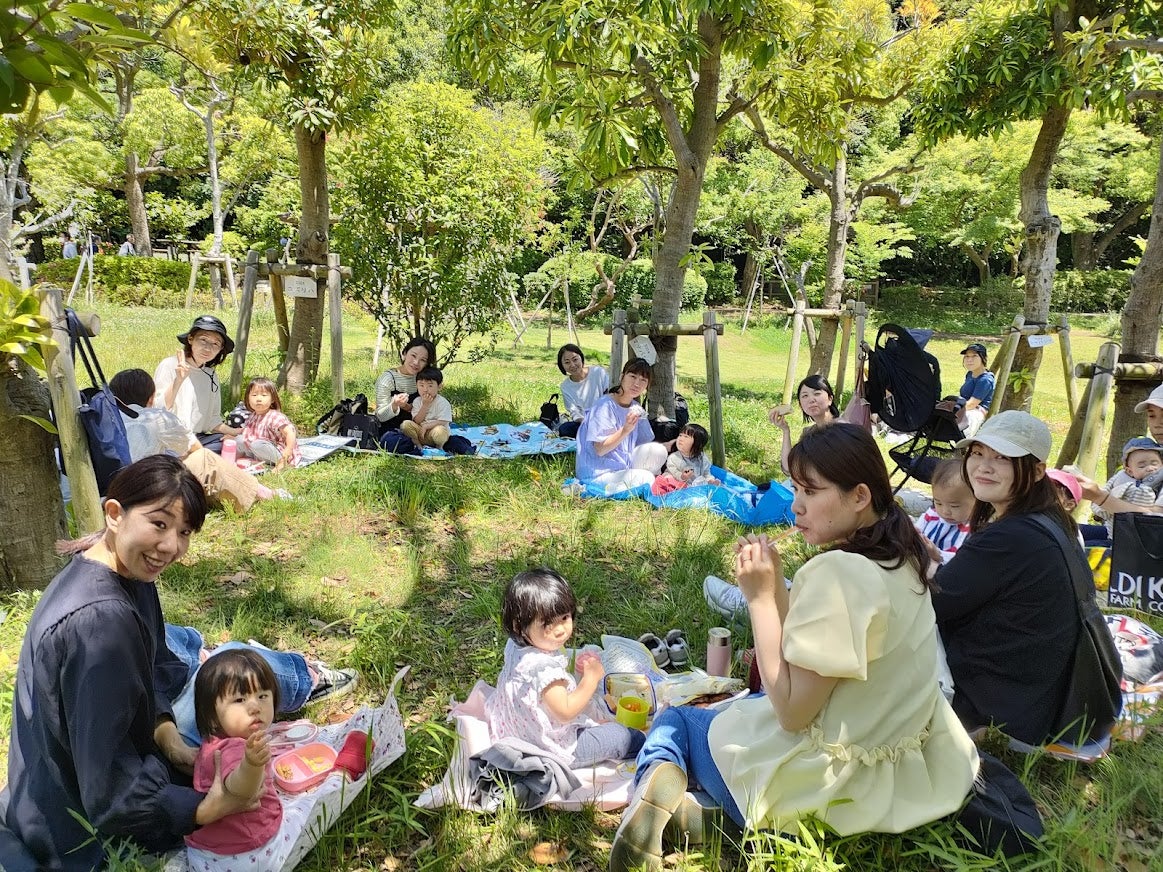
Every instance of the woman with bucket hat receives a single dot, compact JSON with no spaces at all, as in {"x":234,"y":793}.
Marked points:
{"x":1005,"y":606}
{"x":187,"y":384}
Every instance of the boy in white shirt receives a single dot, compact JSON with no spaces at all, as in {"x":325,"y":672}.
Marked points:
{"x":431,"y":413}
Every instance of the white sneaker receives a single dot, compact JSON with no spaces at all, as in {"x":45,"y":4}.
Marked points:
{"x":725,"y":599}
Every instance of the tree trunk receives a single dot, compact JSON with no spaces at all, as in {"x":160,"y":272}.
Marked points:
{"x":32,"y":515}
{"x":135,"y":205}
{"x":748,"y":276}
{"x":1082,"y":250}
{"x":1140,"y":323}
{"x":302,"y":363}
{"x":692,"y":151}
{"x":1039,"y":253}
{"x":980,"y":261}
{"x":839,"y":220}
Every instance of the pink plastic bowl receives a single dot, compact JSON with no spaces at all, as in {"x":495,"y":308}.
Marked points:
{"x":304,"y":767}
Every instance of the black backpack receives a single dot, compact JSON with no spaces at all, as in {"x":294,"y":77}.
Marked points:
{"x":332,"y":420}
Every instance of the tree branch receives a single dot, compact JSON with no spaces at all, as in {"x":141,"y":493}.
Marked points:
{"x":809,"y":172}
{"x":666,"y":111}
{"x":1151,"y":96}
{"x":1154,"y":46}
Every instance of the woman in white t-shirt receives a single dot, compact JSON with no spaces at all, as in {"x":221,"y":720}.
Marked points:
{"x":187,"y":383}
{"x":585,"y":384}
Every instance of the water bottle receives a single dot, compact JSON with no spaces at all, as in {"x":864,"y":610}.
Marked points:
{"x":229,"y":451}
{"x":719,"y":651}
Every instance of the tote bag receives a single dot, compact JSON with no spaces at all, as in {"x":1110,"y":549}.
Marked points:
{"x":1136,"y":565}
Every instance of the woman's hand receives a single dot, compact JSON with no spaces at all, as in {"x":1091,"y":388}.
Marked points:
{"x":219,"y":801}
{"x":759,"y":570}
{"x":400,"y":401}
{"x":632,"y":418}
{"x":779,"y":418}
{"x":184,"y":366}
{"x":173,"y":747}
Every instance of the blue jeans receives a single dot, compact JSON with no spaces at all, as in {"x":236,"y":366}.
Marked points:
{"x":290,"y":670}
{"x":679,"y":735}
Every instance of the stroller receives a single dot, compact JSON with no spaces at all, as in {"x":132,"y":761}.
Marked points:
{"x":904,"y":387}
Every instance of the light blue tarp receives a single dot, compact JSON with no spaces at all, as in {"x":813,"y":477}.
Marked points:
{"x":736,"y":498}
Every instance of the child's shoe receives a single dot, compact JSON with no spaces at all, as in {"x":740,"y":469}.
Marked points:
{"x":678,"y":649}
{"x":657,"y":649}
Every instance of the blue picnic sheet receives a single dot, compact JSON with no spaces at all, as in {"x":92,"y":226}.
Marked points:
{"x":504,"y":441}
{"x":736,"y":498}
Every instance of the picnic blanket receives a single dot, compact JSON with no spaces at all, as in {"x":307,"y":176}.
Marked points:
{"x":606,"y":786}
{"x":503,"y":441}
{"x":325,"y":802}
{"x":736,"y":498}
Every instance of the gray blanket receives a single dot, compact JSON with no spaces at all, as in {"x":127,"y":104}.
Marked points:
{"x":533,"y":775}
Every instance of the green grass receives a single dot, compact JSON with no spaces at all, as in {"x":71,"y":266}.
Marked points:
{"x":385,"y":561}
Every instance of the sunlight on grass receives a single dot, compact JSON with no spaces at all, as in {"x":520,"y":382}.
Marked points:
{"x":384,"y":561}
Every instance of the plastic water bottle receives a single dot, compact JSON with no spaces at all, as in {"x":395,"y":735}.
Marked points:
{"x":229,"y":450}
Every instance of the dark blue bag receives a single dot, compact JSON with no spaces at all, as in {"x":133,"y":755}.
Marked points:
{"x":100,"y":414}
{"x":397,"y":443}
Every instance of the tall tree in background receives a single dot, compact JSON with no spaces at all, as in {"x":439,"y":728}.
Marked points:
{"x":1028,"y":60}
{"x":321,"y":57}
{"x":832,"y":95}
{"x":647,"y":85}
{"x":1143,"y":313}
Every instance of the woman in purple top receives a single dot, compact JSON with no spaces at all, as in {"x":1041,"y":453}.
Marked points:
{"x":615,"y":445}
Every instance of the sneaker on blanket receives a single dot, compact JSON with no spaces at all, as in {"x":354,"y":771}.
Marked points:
{"x":574,"y":489}
{"x":331,"y":682}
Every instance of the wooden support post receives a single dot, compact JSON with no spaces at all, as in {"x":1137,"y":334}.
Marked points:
{"x":714,"y":394}
{"x":195,"y":259}
{"x":25,"y":273}
{"x":1068,"y":453}
{"x":1005,"y":361}
{"x":238,"y":366}
{"x":1067,"y":362}
{"x":845,"y":342}
{"x":1091,"y":444}
{"x":66,"y":400}
{"x":793,"y":357}
{"x":335,"y":316}
{"x":230,"y":277}
{"x":617,"y":345}
{"x":1148,"y":372}
{"x":283,"y":327}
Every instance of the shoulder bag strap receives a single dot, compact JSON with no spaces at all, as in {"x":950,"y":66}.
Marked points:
{"x":79,"y":340}
{"x":1077,"y":578}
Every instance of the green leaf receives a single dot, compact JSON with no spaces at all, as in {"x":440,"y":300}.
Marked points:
{"x":93,"y":15}
{"x":44,"y":424}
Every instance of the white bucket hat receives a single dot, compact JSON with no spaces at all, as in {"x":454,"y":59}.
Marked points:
{"x":1013,"y":433}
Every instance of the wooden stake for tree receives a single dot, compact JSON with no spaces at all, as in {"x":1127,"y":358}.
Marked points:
{"x":793,"y":358}
{"x":714,"y":392}
{"x":230,"y":279}
{"x":195,"y":261}
{"x":845,"y":341}
{"x":1005,"y":360}
{"x":280,"y":304}
{"x":617,"y":345}
{"x":1100,"y":393}
{"x":1067,"y":361}
{"x":238,"y":366}
{"x":335,"y":316}
{"x":66,"y":399}
{"x":1068,"y":453}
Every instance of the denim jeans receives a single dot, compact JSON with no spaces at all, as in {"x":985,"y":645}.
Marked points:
{"x":290,"y":670}
{"x":679,"y":735}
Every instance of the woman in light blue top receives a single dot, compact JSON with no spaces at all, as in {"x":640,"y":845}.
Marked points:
{"x":615,"y":445}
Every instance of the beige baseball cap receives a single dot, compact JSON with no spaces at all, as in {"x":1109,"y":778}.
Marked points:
{"x":1013,"y":433}
{"x":1155,"y":398}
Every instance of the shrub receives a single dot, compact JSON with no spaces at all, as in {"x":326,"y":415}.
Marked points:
{"x":232,"y":243}
{"x":721,"y":288}
{"x":1104,"y":290}
{"x":130,"y":281}
{"x":637,"y":279}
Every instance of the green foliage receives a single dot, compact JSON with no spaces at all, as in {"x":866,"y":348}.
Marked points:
{"x":437,"y":196}
{"x":172,"y":216}
{"x":1104,"y":290}
{"x":875,"y":240}
{"x":130,"y":281}
{"x":232,"y":243}
{"x":640,"y":279}
{"x":22,"y":328}
{"x":721,"y":288}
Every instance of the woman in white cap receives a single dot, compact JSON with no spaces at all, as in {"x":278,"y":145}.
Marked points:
{"x":977,"y":389}
{"x":1004,"y":603}
{"x":188,"y":386}
{"x":1102,"y":497}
